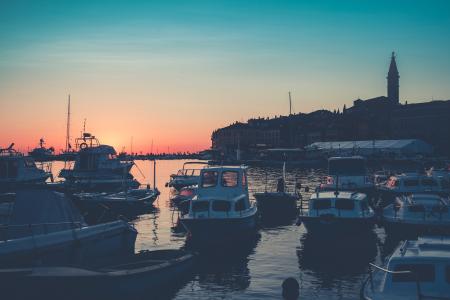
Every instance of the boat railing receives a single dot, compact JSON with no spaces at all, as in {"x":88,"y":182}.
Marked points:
{"x":8,"y":231}
{"x":384,"y":270}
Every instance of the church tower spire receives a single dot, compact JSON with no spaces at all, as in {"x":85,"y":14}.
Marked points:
{"x":393,"y":81}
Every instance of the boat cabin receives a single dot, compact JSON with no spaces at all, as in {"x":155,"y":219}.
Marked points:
{"x":419,"y":206}
{"x":15,"y":166}
{"x":420,"y":266}
{"x":416,"y":183}
{"x":341,"y":204}
{"x":222,"y":192}
{"x":348,"y":173}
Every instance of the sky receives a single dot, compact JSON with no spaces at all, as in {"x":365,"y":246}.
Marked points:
{"x":168,"y":73}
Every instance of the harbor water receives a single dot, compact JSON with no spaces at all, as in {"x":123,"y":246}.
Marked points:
{"x":256,"y":267}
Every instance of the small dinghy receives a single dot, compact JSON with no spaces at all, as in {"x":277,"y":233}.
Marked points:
{"x":147,"y":271}
{"x":279,"y":203}
{"x":134,"y":198}
{"x":101,"y":207}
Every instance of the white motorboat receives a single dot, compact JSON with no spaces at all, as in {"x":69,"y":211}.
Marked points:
{"x":409,"y":183}
{"x":417,"y":214}
{"x":348,"y":174}
{"x":186,"y":176}
{"x":17,"y":170}
{"x":337,"y":212}
{"x":43,"y":227}
{"x":222,"y":207}
{"x":416,"y":270}
{"x":97,"y":168}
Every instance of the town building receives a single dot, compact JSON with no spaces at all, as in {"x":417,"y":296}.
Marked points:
{"x":379,"y":118}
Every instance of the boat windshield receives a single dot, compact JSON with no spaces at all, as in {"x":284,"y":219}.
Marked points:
{"x":200,"y":206}
{"x":321,"y":204}
{"x":230,"y":178}
{"x":209,"y":179}
{"x":29,"y":163}
{"x":349,"y":167}
{"x":411,"y":182}
{"x":345,"y":204}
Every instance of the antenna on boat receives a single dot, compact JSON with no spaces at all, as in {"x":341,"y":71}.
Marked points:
{"x":68,"y":126}
{"x":154,"y":174}
{"x":131,"y":146}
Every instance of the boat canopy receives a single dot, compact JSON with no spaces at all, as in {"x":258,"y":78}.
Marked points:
{"x":38,"y":211}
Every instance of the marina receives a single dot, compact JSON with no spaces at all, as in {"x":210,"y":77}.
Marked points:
{"x":251,"y":270}
{"x":178,"y":150}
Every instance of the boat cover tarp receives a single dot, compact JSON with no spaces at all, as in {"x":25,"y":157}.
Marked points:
{"x":40,"y":211}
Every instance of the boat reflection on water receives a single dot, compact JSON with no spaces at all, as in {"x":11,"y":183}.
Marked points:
{"x":332,"y":260}
{"x":272,"y":221}
{"x":222,"y":268}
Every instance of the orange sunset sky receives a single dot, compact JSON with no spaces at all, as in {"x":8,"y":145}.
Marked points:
{"x":173,"y":71}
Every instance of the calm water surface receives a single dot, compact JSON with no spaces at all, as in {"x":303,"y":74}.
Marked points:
{"x":255,"y":268}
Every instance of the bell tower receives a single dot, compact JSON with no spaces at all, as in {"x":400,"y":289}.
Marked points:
{"x":393,"y":81}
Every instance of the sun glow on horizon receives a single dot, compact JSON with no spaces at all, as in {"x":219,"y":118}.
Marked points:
{"x":173,"y":72}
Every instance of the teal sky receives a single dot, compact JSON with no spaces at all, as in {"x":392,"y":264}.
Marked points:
{"x":173,"y":71}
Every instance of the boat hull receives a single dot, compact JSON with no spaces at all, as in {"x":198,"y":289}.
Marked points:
{"x":335,"y":225}
{"x":143,"y":275}
{"x":276,"y":204}
{"x":85,"y":244}
{"x":219,"y":228}
{"x":11,"y":185}
{"x":102,"y":209}
{"x":413,"y":230}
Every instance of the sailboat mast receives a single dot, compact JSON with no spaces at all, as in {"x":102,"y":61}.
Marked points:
{"x":68,"y":126}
